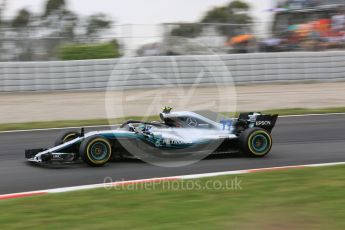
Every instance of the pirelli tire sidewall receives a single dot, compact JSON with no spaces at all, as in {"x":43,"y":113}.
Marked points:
{"x":95,"y":151}
{"x":255,"y":142}
{"x":66,"y":136}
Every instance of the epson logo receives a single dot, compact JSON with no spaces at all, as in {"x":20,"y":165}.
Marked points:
{"x":263,"y":123}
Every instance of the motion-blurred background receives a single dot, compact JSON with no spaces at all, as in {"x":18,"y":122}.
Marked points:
{"x":72,"y":30}
{"x":87,"y":47}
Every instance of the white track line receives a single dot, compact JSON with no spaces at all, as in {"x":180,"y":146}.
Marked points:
{"x":154,"y":180}
{"x":312,"y":114}
{"x":100,"y":126}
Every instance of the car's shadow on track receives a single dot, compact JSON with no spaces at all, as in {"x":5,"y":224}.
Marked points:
{"x":224,"y":156}
{"x":80,"y":164}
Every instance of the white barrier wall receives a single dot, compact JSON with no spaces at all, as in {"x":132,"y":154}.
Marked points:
{"x":158,"y":71}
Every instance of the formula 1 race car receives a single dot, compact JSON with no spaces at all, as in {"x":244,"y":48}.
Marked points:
{"x":177,"y":134}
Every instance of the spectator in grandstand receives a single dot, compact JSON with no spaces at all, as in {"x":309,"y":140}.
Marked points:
{"x":293,"y":40}
{"x":338,"y":21}
{"x":337,"y":38}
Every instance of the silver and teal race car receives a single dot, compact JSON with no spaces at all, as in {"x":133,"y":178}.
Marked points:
{"x":178,"y":135}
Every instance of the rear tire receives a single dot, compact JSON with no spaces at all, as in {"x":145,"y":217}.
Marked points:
{"x":95,"y":151}
{"x":255,"y":142}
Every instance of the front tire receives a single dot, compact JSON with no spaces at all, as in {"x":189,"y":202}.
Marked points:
{"x":65,"y":137}
{"x":95,"y":151}
{"x":255,"y":142}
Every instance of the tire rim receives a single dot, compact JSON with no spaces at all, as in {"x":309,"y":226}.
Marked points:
{"x":259,"y":143}
{"x":99,"y":151}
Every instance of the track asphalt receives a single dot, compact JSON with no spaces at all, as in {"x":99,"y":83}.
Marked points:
{"x":297,"y":140}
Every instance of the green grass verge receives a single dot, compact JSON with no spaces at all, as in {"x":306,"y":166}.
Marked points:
{"x":310,"y":198}
{"x":79,"y":123}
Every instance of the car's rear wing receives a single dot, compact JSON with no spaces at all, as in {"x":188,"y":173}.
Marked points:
{"x":264,"y":121}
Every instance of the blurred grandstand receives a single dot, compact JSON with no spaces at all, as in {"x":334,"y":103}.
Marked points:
{"x":307,"y":25}
{"x":297,"y":25}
